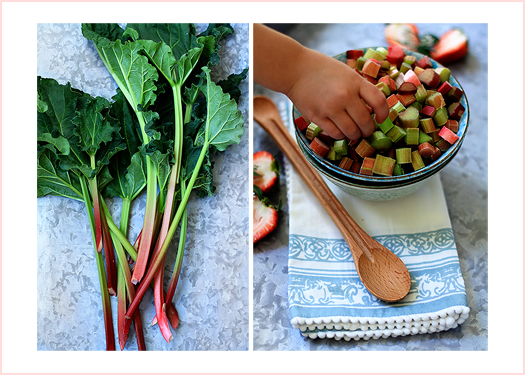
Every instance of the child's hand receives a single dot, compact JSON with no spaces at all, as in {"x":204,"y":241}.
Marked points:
{"x":329,"y":94}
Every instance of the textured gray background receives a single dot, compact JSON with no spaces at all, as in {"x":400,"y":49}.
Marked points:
{"x":465,"y":182}
{"x":212,"y":296}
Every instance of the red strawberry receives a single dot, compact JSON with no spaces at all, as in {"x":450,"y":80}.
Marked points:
{"x":404,"y":35}
{"x":452,"y":46}
{"x":266,"y":171}
{"x":265,"y":218}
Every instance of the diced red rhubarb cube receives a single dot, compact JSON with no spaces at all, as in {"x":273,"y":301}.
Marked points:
{"x":425,"y":62}
{"x":395,"y":55}
{"x":301,"y":123}
{"x":352,"y":63}
{"x":407,"y":88}
{"x":426,"y":150}
{"x":356,"y":167}
{"x":428,"y":111}
{"x":319,"y":147}
{"x":436,"y":154}
{"x":345,"y":163}
{"x":429,"y":78}
{"x":444,"y":88}
{"x":354,"y":54}
{"x":389,"y":82}
{"x":364,"y":149}
{"x":325,"y":138}
{"x":455,"y":111}
{"x":391,"y":100}
{"x":367,"y":167}
{"x":406,"y":100}
{"x":448,"y":135}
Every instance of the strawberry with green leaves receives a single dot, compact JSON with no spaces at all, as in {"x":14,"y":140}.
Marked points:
{"x":265,"y":217}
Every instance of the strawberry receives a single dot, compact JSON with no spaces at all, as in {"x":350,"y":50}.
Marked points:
{"x":266,"y":171}
{"x":452,"y":46}
{"x":404,"y":35}
{"x":265,"y":218}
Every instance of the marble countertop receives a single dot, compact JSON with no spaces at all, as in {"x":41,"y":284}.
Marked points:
{"x":465,"y":183}
{"x":213,"y":297}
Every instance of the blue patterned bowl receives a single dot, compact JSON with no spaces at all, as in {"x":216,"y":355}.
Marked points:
{"x":381,"y":187}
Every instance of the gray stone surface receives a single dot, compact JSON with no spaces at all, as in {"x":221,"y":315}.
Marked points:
{"x":465,"y":182}
{"x":212,"y":297}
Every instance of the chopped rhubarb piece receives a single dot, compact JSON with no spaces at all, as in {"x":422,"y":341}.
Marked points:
{"x":373,"y":54}
{"x":421,"y":94}
{"x":354,"y":54}
{"x":429,"y":78}
{"x":417,"y":106}
{"x":370,"y":79}
{"x":352,"y":63}
{"x":341,"y":147}
{"x":409,"y":118}
{"x":392,"y":153}
{"x":406,"y":100}
{"x":386,"y":125}
{"x":410,"y":60}
{"x":407,"y":88}
{"x":360,"y":63}
{"x":380,"y":141}
{"x":417,"y":160}
{"x":332,"y":155}
{"x":412,"y":137}
{"x":392,"y":113}
{"x":301,"y":123}
{"x":364,"y":149}
{"x":436,"y":100}
{"x":427,"y":125}
{"x":395,"y":55}
{"x":436,"y":154}
{"x":391,"y":100}
{"x":393,"y":72}
{"x":367,"y":167}
{"x":404,"y":155}
{"x":417,"y":70}
{"x":411,"y":77}
{"x":371,"y":68}
{"x":383,"y":87}
{"x":428,"y":111}
{"x":448,"y":135}
{"x":404,"y":67}
{"x":383,"y":166}
{"x":385,"y":65}
{"x":389,"y":82}
{"x":319,"y":147}
{"x":352,"y":154}
{"x":325,"y":138}
{"x":396,"y":134}
{"x":423,"y":138}
{"x":444,"y":74}
{"x":345,"y":163}
{"x":444,"y":88}
{"x":400,"y":79}
{"x":441,"y":117}
{"x":452,"y":125}
{"x":425,"y":62}
{"x":426,"y":150}
{"x":455,"y":111}
{"x":356,"y":167}
{"x":312,"y":131}
{"x":443,"y":145}
{"x":454,"y":95}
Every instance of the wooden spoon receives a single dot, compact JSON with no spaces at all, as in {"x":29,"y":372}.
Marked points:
{"x":380,"y":270}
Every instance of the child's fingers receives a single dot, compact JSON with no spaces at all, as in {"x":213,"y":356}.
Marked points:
{"x":330,"y":128}
{"x":361,"y":118}
{"x":375,"y":99}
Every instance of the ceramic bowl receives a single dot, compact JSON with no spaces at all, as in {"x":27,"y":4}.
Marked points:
{"x":381,"y":187}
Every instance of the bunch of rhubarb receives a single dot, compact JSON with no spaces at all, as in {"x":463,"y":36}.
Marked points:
{"x":265,"y":179}
{"x":155,"y":137}
{"x":449,"y":47}
{"x":423,"y":122}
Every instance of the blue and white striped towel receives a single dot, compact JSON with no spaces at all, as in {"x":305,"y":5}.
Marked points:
{"x":325,"y":295}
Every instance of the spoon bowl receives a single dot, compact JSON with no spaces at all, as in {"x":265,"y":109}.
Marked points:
{"x":382,"y":272}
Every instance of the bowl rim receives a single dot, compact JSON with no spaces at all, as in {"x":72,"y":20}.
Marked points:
{"x":392,"y":180}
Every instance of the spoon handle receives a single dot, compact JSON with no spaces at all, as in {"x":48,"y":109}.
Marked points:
{"x":358,"y":241}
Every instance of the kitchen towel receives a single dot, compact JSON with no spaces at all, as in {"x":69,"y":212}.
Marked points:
{"x":325,"y":295}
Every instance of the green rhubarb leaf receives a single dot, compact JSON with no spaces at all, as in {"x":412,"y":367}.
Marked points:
{"x":129,"y":126}
{"x":231,"y":84}
{"x":60,"y":144}
{"x":225,"y":121}
{"x":132,"y":72}
{"x":204,"y":182}
{"x":128,"y":181}
{"x":52,"y":180}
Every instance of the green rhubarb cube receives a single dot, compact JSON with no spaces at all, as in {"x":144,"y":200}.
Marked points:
{"x":380,"y":141}
{"x":417,"y":160}
{"x":398,"y":107}
{"x":386,"y":125}
{"x":383,"y":166}
{"x":341,"y":147}
{"x":423,"y":137}
{"x":312,"y":131}
{"x":441,"y":116}
{"x":412,"y":137}
{"x":396,"y":133}
{"x":404,"y":155}
{"x":373,"y":54}
{"x":332,"y":155}
{"x":360,"y":63}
